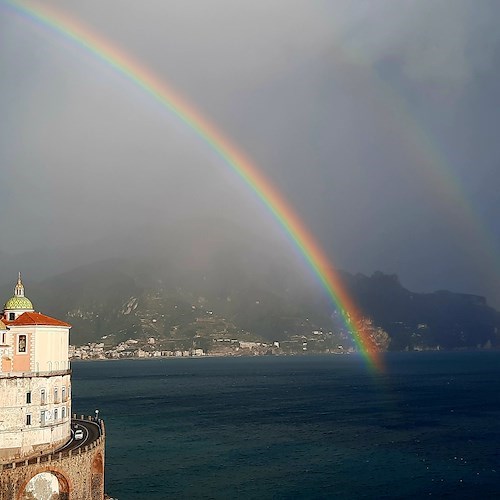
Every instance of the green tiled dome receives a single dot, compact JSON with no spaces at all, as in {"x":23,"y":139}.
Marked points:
{"x":19,"y":303}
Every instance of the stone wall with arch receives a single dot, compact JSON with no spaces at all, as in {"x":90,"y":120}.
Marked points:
{"x":72,"y":475}
{"x":50,"y":485}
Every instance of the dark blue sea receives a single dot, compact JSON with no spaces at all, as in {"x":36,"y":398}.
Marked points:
{"x":298,"y":427}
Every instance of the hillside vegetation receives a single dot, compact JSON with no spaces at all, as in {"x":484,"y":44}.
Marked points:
{"x":201,"y":285}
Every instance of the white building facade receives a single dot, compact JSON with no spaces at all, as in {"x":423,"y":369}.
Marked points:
{"x":35,"y":380}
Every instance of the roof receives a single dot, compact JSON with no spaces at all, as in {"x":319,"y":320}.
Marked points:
{"x":2,"y":325}
{"x":18,"y":303}
{"x":38,"y":319}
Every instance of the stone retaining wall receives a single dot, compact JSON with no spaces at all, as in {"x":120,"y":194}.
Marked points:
{"x":80,"y":472}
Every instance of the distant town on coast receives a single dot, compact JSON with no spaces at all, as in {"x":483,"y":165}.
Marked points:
{"x":151,"y":348}
{"x":123,"y":320}
{"x":141,"y":308}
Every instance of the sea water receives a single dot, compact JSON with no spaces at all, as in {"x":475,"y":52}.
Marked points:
{"x":298,"y":427}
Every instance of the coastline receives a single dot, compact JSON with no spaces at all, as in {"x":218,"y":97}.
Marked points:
{"x":280,"y":355}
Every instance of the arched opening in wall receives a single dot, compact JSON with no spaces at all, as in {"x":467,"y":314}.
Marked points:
{"x":50,"y":485}
{"x":97,"y":481}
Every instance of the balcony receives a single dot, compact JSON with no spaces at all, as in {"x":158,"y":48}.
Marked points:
{"x":51,"y":373}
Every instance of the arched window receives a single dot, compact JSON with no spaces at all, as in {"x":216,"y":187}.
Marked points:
{"x":63,"y":412}
{"x":55,"y":414}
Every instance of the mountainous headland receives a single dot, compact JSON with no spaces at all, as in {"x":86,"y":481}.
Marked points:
{"x":126,"y":308}
{"x":219,"y":290}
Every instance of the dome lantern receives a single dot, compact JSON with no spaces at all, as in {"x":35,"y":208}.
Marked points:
{"x":19,"y":288}
{"x":18,"y":303}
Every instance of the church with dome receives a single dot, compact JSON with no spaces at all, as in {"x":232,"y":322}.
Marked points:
{"x":40,"y":445}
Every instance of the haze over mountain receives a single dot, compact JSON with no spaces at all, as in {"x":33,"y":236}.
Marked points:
{"x":244,"y":283}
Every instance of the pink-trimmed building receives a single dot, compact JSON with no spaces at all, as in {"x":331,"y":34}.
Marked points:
{"x":35,"y":381}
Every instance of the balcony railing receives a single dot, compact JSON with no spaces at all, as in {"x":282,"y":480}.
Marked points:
{"x":51,"y":373}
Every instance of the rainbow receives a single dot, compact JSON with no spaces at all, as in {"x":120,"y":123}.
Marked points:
{"x":241,"y":165}
{"x":436,"y":170}
{"x":434,"y":167}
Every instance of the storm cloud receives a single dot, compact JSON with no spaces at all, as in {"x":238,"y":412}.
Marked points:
{"x":376,"y":120}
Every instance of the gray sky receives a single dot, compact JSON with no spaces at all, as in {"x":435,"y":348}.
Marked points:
{"x":377,"y":120}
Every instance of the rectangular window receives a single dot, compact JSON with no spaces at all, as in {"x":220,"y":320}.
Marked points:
{"x":3,"y":338}
{"x":28,"y":397}
{"x":42,"y":397}
{"x":28,"y":419}
{"x":21,"y":345}
{"x":12,"y":316}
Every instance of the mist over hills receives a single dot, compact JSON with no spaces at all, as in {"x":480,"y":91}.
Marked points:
{"x":214,"y":278}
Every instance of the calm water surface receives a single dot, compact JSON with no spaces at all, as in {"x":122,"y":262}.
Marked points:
{"x":298,"y":427}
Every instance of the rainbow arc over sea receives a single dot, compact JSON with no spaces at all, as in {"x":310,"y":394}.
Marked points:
{"x":61,"y":25}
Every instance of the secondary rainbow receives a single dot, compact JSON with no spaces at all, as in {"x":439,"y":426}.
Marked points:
{"x":61,"y":24}
{"x":434,"y":165}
